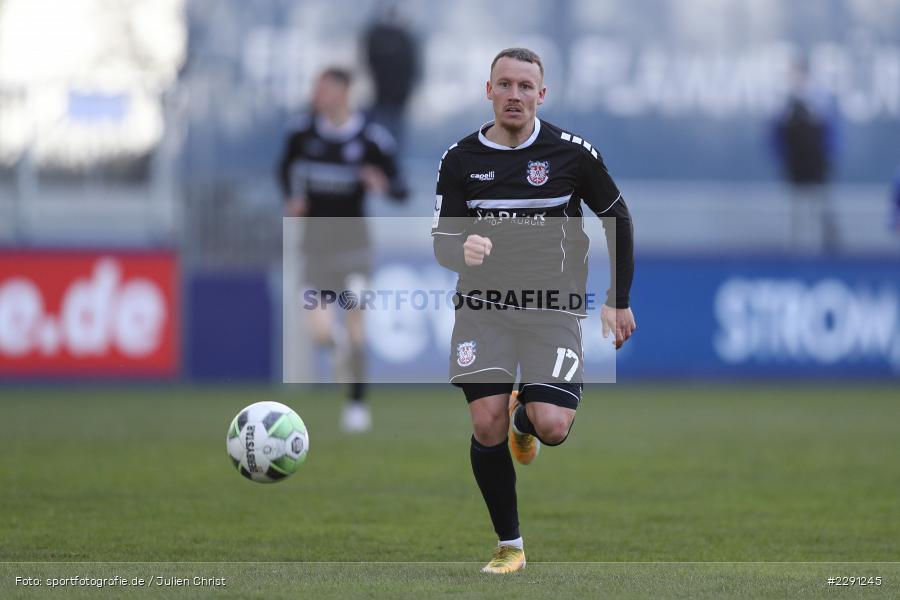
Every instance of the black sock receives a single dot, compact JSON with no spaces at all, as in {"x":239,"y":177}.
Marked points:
{"x":358,"y":392}
{"x":522,"y":422}
{"x":357,"y":368}
{"x":496,"y":477}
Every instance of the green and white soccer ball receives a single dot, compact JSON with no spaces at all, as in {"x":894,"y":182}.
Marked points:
{"x":267,"y":442}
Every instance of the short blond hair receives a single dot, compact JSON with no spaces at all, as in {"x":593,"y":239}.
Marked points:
{"x":522,"y":54}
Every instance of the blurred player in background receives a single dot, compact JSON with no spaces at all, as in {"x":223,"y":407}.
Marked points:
{"x":333,"y":156}
{"x":508,"y":217}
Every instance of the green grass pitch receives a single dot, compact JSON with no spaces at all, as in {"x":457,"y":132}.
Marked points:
{"x":661,"y":491}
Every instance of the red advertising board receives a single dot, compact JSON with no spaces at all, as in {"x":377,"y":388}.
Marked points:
{"x":88,"y":313}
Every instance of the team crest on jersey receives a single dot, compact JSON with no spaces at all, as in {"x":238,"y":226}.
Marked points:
{"x":538,"y":172}
{"x":465,"y":353}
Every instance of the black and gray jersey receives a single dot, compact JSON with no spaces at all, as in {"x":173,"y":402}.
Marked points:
{"x":528,"y":200}
{"x":321,"y":162}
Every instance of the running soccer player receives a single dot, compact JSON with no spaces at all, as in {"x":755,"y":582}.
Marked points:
{"x":330,"y":159}
{"x":508,"y":219}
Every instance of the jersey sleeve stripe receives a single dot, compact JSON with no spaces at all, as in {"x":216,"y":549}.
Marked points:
{"x":580,"y":141}
{"x":619,"y":197}
{"x":444,"y":155}
{"x":441,"y":162}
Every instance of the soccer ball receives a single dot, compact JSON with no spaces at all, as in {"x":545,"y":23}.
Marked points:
{"x":267,"y":442}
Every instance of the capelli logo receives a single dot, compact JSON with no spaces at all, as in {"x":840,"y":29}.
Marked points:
{"x":489,"y":176}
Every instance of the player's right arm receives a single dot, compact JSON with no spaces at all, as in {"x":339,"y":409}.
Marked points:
{"x":454,"y":248}
{"x":293,"y":186}
{"x":380,"y":170}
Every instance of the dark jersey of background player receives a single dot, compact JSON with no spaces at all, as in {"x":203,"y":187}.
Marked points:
{"x":323,"y":163}
{"x":528,"y":201}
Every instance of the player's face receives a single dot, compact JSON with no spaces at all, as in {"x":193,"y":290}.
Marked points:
{"x":516,"y":89}
{"x":329,"y":93}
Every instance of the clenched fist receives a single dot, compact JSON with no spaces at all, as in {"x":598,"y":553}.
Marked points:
{"x":475,"y":249}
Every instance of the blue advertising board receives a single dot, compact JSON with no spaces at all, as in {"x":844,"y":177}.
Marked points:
{"x":765,"y":318}
{"x":697,"y":318}
{"x":228,"y":326}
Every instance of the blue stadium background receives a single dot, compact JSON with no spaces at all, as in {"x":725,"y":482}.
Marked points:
{"x":678,"y":96}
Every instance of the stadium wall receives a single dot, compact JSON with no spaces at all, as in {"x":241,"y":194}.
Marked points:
{"x":698,"y":318}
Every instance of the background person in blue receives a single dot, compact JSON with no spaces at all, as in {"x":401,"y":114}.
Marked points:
{"x":805,"y":142}
{"x":392,"y":55}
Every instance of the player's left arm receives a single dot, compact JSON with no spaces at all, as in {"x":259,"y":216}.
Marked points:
{"x":597,"y":189}
{"x":380,"y":171}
